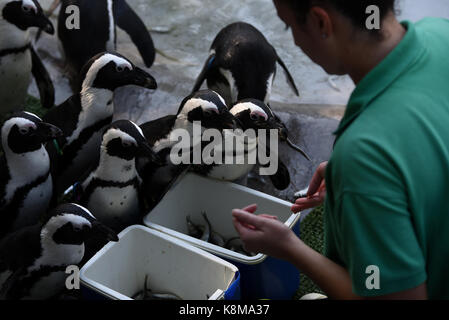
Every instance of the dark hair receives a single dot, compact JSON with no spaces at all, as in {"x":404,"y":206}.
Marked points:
{"x":355,"y":10}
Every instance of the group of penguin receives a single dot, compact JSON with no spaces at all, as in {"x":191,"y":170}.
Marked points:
{"x":117,"y":170}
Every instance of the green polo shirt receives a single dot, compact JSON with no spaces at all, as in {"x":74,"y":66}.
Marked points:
{"x":387,"y":181}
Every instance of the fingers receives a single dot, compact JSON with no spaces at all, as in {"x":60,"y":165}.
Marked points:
{"x":303,"y":204}
{"x":317,"y":179}
{"x":241,"y":229}
{"x":251,"y":208}
{"x":268,"y":216}
{"x":246,"y":218}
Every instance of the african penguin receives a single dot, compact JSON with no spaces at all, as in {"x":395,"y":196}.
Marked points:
{"x":18,"y":59}
{"x":255,"y":115}
{"x":84,"y":116}
{"x":26,"y":186}
{"x":33,"y":260}
{"x":112,"y":189}
{"x":241,"y":65}
{"x":206,"y":107}
{"x":98,"y":21}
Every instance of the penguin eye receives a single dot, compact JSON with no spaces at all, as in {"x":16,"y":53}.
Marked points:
{"x":24,"y":131}
{"x":126,"y":144}
{"x":256,"y":116}
{"x":209,"y":113}
{"x":120,"y":68}
{"x":26,"y":8}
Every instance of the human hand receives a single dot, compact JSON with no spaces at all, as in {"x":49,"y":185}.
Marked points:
{"x":316,"y":193}
{"x":263,"y":233}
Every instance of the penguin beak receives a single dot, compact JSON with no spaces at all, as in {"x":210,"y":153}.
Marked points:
{"x":228,"y":121}
{"x":102,"y":230}
{"x":42,"y":22}
{"x":48,"y":131}
{"x":146,"y":151}
{"x":143,"y":79}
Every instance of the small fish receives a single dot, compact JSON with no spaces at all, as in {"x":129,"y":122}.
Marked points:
{"x":217,"y":239}
{"x":193,"y":229}
{"x":302,"y":193}
{"x":208,"y":229}
{"x":148,"y":294}
{"x":235,"y":244}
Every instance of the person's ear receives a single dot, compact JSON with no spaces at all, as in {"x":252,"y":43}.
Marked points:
{"x":320,"y":22}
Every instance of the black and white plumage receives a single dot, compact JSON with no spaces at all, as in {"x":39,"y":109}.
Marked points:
{"x":26,"y":186}
{"x":18,"y":60}
{"x":206,"y":107}
{"x":255,"y":115}
{"x":84,"y":116}
{"x":111,"y":190}
{"x":33,"y":260}
{"x":98,"y":29}
{"x":242,"y":65}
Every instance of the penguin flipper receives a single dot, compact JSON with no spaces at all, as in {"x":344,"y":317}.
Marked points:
{"x":204,"y":73}
{"x":130,"y":22}
{"x":26,"y":239}
{"x":290,"y":79}
{"x":157,"y":129}
{"x":281,"y":179}
{"x":10,"y":290}
{"x":43,"y":80}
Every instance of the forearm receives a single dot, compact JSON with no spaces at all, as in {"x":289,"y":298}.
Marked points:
{"x":333,"y":279}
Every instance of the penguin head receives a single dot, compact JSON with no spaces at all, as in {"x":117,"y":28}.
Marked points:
{"x":209,"y":108}
{"x":255,"y":114}
{"x":25,"y":132}
{"x":71,"y":224}
{"x":125,"y":140}
{"x":25,"y":14}
{"x":111,"y":70}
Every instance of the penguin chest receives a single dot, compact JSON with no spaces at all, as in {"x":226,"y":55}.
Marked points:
{"x":224,"y":84}
{"x":15,"y":76}
{"x":237,"y":162}
{"x":115,"y":205}
{"x":230,"y":172}
{"x":35,"y":203}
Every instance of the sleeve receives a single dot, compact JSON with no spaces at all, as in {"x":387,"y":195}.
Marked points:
{"x":380,"y":247}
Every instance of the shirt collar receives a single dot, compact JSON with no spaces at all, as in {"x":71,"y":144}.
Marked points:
{"x":382,"y":76}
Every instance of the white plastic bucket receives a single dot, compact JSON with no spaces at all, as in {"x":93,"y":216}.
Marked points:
{"x":194,"y":194}
{"x":118,"y":270}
